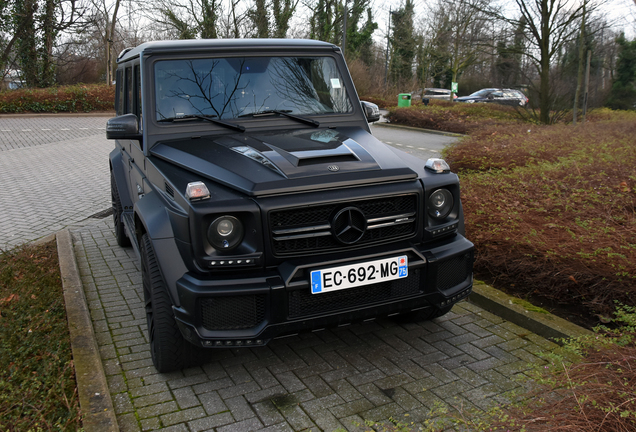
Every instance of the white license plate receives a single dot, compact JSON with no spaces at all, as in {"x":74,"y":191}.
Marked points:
{"x":353,"y":275}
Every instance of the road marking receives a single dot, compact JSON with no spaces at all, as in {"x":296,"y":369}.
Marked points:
{"x":410,"y":146}
{"x":64,"y":129}
{"x":6,"y":130}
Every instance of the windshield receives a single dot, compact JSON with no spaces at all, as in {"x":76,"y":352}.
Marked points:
{"x":232,"y":87}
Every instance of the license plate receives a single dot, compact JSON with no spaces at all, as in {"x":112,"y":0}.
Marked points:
{"x":354,"y":275}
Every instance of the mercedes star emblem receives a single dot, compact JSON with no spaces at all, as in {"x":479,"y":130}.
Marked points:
{"x":349,"y":225}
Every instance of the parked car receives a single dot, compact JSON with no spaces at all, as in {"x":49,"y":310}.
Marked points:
{"x":371,"y":111}
{"x":246,"y":179}
{"x":496,"y":95}
{"x":437,"y":93}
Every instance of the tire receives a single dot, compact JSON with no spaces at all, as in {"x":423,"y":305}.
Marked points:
{"x":423,"y":314}
{"x":120,"y":231}
{"x":169,"y":350}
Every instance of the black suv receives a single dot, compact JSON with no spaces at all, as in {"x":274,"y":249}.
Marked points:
{"x":246,"y":178}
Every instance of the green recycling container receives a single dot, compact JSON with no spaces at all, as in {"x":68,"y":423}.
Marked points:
{"x":404,"y":100}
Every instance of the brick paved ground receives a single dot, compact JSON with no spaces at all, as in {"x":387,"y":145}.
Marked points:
{"x":318,"y":381}
{"x":54,"y":174}
{"x":51,"y":179}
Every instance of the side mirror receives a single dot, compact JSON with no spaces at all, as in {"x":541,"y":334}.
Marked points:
{"x":490,"y":96}
{"x":123,"y":127}
{"x":371,"y":111}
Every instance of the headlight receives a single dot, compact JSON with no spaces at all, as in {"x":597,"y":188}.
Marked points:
{"x":225,"y":233}
{"x":440,"y":203}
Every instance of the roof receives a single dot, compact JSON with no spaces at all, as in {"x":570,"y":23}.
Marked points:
{"x":203,"y":45}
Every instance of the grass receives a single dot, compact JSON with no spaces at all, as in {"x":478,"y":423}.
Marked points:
{"x":74,"y":98}
{"x":37,"y":378}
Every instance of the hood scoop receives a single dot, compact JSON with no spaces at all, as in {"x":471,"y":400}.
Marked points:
{"x":342,"y":153}
{"x":287,"y":161}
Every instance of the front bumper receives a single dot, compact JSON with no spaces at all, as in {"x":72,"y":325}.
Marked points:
{"x":250,"y":311}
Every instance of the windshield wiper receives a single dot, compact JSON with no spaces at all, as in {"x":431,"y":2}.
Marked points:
{"x":286,"y":113}
{"x":210,"y":118}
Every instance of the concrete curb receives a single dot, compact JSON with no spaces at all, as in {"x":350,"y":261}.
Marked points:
{"x":512,"y":309}
{"x":432,"y":131}
{"x":95,"y":401}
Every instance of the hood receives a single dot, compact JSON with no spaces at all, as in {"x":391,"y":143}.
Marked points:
{"x":287,"y":161}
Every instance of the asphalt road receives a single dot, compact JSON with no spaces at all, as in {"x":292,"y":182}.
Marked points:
{"x":418,"y":143}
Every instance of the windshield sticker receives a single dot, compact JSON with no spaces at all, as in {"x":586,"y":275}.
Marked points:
{"x":335,"y":83}
{"x":324,"y":136}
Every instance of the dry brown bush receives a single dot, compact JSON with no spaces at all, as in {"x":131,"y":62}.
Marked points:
{"x":552,"y":212}
{"x":453,"y":117}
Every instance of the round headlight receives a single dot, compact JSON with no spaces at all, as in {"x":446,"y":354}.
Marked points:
{"x":440,"y":203}
{"x":225,"y":233}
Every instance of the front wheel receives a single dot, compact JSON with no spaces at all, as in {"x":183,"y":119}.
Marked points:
{"x":169,"y":350}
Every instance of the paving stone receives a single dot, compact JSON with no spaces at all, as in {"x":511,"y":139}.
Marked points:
{"x":182,"y":416}
{"x":210,"y":422}
{"x":268,"y":413}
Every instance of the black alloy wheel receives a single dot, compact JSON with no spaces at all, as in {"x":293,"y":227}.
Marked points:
{"x":169,"y":350}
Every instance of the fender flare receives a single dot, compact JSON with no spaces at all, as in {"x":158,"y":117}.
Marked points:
{"x":117,"y":168}
{"x":152,"y":217}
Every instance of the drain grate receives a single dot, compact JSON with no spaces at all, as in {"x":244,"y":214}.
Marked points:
{"x":102,"y":214}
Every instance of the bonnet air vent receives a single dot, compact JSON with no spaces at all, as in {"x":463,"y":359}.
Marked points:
{"x":169,"y":190}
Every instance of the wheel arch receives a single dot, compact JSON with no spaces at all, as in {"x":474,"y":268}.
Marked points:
{"x":152,"y":217}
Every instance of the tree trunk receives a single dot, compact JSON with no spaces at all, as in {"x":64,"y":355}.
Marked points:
{"x":544,"y":73}
{"x":579,"y":80}
{"x":110,"y":33}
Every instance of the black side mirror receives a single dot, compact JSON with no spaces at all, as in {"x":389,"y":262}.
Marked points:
{"x":123,"y":127}
{"x":371,"y":111}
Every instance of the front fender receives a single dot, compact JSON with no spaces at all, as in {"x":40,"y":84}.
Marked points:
{"x":152,"y":217}
{"x":117,"y":168}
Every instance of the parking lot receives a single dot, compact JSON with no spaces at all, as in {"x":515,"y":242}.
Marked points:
{"x":335,"y":379}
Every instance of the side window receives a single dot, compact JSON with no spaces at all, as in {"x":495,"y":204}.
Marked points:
{"x":138,"y":105}
{"x":129,"y":91}
{"x":119,"y":96}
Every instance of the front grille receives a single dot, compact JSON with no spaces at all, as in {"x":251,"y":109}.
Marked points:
{"x":303,"y":303}
{"x":454,"y":271}
{"x":308,"y":229}
{"x":232,"y":312}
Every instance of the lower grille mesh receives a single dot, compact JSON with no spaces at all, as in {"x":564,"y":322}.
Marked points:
{"x":454,"y":271}
{"x":232,"y":312}
{"x":303,"y":303}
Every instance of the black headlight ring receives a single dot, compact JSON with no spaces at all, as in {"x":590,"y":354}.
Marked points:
{"x":225,"y":232}
{"x":440,"y":203}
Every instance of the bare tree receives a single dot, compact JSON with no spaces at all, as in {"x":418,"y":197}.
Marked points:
{"x":458,"y":29}
{"x":188,"y":19}
{"x":550,"y":25}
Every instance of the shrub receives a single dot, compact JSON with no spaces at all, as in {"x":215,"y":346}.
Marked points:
{"x":552,"y":210}
{"x":75,"y":98}
{"x":453,"y":117}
